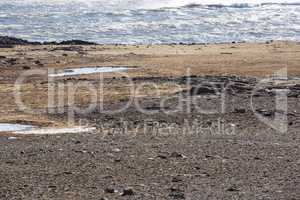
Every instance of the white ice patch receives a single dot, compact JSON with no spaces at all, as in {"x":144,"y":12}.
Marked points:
{"x":87,"y":70}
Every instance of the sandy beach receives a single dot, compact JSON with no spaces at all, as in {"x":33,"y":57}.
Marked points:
{"x":248,"y":159}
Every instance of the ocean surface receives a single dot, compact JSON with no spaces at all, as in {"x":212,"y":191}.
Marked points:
{"x":146,"y":21}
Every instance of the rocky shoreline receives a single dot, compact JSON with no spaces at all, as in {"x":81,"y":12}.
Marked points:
{"x":9,"y":42}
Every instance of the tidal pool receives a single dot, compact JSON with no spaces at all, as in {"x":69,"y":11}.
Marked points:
{"x":56,"y":131}
{"x":7,"y":127}
{"x":87,"y":70}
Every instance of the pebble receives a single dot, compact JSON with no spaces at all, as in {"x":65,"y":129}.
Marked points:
{"x":128,"y":192}
{"x":177,"y":193}
{"x":116,"y":150}
{"x":109,"y":190}
{"x":233,"y":189}
{"x":177,"y":155}
{"x":240,"y":110}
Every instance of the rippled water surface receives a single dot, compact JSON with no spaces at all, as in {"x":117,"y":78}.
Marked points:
{"x":158,"y":21}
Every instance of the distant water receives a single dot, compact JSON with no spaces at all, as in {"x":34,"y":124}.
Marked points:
{"x":146,"y":21}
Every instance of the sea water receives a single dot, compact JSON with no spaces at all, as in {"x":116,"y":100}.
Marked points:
{"x":151,"y":21}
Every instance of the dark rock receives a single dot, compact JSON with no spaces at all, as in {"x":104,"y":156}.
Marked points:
{"x":294,"y":94}
{"x":226,"y":53}
{"x":153,"y":108}
{"x":50,"y":43}
{"x":8,"y":42}
{"x":52,"y":186}
{"x":70,"y":48}
{"x":162,"y":156}
{"x":177,"y":155}
{"x":257,"y":158}
{"x":26,"y":67}
{"x":239,"y":87}
{"x":269,"y":42}
{"x":128,"y":192}
{"x":209,"y":156}
{"x":240,"y":110}
{"x":76,"y":42}
{"x":109,"y":190}
{"x":37,"y":62}
{"x":11,"y":61}
{"x":201,"y":91}
{"x":177,"y":193}
{"x":233,"y":189}
{"x":265,"y":113}
{"x":176,"y":179}
{"x":6,"y":46}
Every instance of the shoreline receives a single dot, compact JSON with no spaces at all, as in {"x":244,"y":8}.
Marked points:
{"x":15,"y":41}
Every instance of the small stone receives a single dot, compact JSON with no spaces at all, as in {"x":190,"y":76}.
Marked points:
{"x":240,"y":110}
{"x":233,"y":125}
{"x":109,"y":190}
{"x":116,"y":150}
{"x":201,"y":91}
{"x":162,"y":156}
{"x":233,"y":189}
{"x":37,"y":62}
{"x":12,"y":138}
{"x":177,"y":155}
{"x":257,"y":158}
{"x":177,"y":194}
{"x":266,"y":113}
{"x":128,"y":192}
{"x":26,"y":67}
{"x":209,"y":156}
{"x":176,"y":180}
